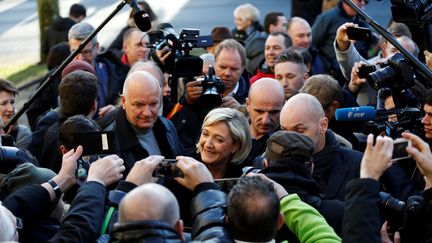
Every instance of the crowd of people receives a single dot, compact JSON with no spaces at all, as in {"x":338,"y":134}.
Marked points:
{"x":262,"y":159}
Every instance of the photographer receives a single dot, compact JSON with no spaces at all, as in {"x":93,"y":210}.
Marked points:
{"x":230,"y":59}
{"x":347,"y":56}
{"x":362,"y":225}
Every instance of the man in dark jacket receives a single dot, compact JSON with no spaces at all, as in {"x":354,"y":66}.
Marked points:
{"x":264,"y":111}
{"x":230,"y":61}
{"x":139,"y":129}
{"x":78,"y":95}
{"x":289,"y":162}
{"x":275,"y":44}
{"x":324,"y":33}
{"x":162,"y":222}
{"x":58,"y":30}
{"x":334,"y":165}
{"x":301,"y":35}
{"x":362,"y":225}
{"x":110,"y":71}
{"x":332,"y":97}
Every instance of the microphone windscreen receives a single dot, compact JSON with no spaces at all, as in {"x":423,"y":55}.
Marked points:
{"x":362,"y":113}
{"x":142,"y":20}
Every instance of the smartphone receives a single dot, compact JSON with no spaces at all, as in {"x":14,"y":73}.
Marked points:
{"x":399,"y":151}
{"x":95,"y":145}
{"x":359,"y":33}
{"x":167,"y":168}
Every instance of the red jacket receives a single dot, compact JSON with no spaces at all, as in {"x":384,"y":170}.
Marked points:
{"x":261,"y":74}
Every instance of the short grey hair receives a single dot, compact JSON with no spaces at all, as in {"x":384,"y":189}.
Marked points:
{"x":232,"y":45}
{"x":247,"y":11}
{"x":238,"y":126}
{"x":80,"y":31}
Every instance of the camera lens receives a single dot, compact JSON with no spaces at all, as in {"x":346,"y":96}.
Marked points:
{"x":381,"y":78}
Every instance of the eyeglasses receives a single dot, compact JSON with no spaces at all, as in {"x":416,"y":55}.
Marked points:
{"x":85,"y":52}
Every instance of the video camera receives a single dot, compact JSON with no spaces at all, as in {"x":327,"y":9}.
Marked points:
{"x":408,"y":119}
{"x":378,"y":122}
{"x":396,"y":73}
{"x":179,"y":63}
{"x":411,"y":11}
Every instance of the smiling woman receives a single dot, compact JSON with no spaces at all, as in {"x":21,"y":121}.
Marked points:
{"x":225,"y":142}
{"x":21,"y":134}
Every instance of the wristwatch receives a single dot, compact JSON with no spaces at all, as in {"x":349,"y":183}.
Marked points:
{"x":56,"y":188}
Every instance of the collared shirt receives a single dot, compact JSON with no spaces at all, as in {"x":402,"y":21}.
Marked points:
{"x":234,"y":91}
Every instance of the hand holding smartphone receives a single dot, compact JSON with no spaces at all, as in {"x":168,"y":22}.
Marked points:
{"x":399,"y":149}
{"x":359,"y":34}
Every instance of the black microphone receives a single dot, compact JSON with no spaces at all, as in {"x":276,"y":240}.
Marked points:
{"x":141,"y":17}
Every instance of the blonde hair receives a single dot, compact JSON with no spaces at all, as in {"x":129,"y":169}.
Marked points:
{"x":238,"y":126}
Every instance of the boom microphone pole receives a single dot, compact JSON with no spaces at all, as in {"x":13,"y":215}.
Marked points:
{"x":390,"y":38}
{"x":142,"y":21}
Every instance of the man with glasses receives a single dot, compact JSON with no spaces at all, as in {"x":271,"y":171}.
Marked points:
{"x":324,"y":33}
{"x":110,"y":72}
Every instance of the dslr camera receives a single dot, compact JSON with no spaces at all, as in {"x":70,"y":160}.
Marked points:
{"x":168,"y":169}
{"x":213,"y":88}
{"x":396,"y":74}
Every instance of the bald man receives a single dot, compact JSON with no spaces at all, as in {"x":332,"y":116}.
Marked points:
{"x":264,"y":110}
{"x":164,"y":206}
{"x":139,"y":129}
{"x":154,"y":212}
{"x":334,"y":165}
{"x":300,"y":32}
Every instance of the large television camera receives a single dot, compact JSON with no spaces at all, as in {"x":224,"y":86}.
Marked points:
{"x":408,"y":119}
{"x":180,"y":63}
{"x":411,"y":11}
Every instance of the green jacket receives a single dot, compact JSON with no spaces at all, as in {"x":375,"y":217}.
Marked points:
{"x":306,"y":222}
